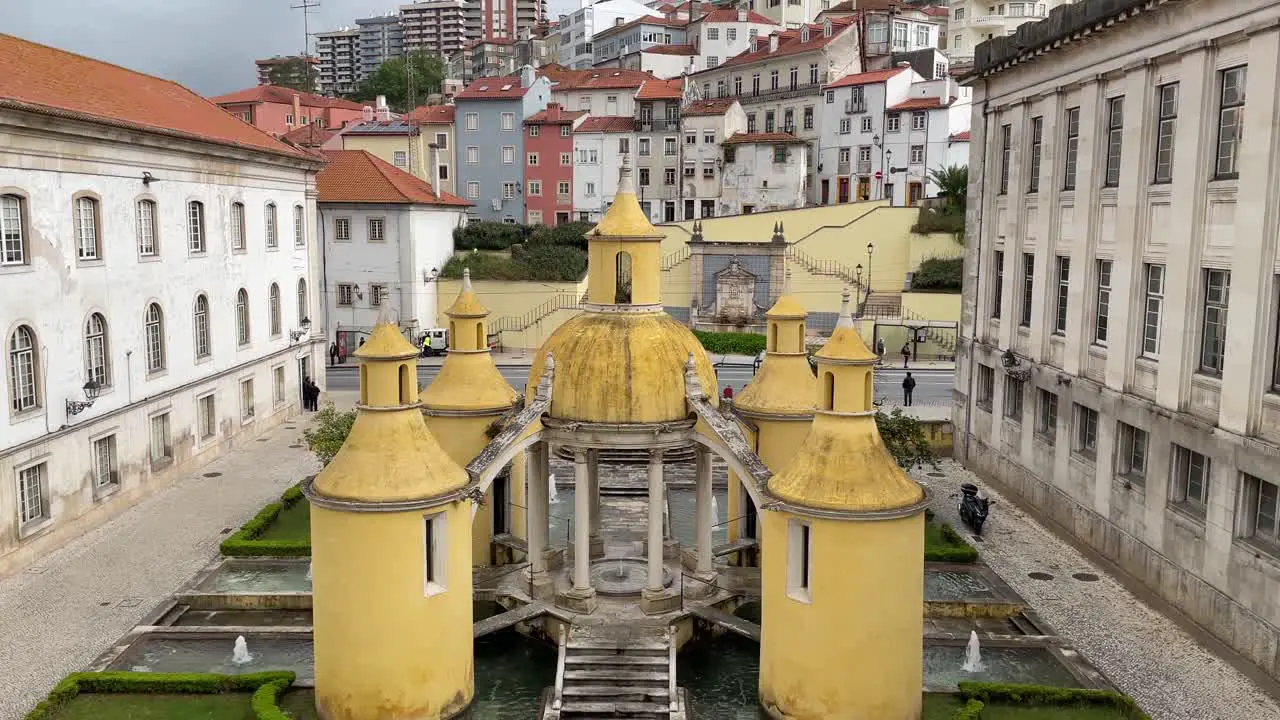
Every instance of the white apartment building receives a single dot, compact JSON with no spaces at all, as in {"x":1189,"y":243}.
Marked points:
{"x":661,"y":61}
{"x":790,"y":14}
{"x":387,"y":235}
{"x":933,"y":121}
{"x":599,"y":91}
{"x":599,"y":142}
{"x":762,"y":172}
{"x":707,"y":124}
{"x":779,"y":81}
{"x":578,"y":29}
{"x":611,"y":44}
{"x":1119,"y":367}
{"x":339,"y":55}
{"x":439,"y":27}
{"x":159,"y":271}
{"x":976,"y":21}
{"x":723,"y":33}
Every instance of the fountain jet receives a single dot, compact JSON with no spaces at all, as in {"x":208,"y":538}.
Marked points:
{"x":240,"y":655}
{"x":552,"y":495}
{"x":973,"y":654}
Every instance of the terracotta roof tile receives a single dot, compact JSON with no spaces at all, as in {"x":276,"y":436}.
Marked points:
{"x":921,"y":103}
{"x":49,"y":81}
{"x":308,"y":136}
{"x":936,"y":11}
{"x":866,"y":78}
{"x":729,"y":15}
{"x":597,"y":79}
{"x":789,"y":43}
{"x":494,"y":88}
{"x":717,"y":106}
{"x":431,"y":114}
{"x":355,"y":176}
{"x":960,"y":136}
{"x":655,"y":89}
{"x":670,"y":50}
{"x":554,"y":116}
{"x":607,"y":124}
{"x":284,"y":96}
{"x":773,"y":138}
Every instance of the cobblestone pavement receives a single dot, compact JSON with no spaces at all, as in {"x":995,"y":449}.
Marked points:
{"x":1143,"y":652}
{"x":71,"y":605}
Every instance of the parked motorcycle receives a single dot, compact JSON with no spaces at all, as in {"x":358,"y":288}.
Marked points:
{"x":973,"y":507}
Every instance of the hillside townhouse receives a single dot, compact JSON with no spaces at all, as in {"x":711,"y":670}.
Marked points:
{"x":398,"y":142}
{"x":779,"y":81}
{"x":722,"y":33}
{"x":890,"y":27}
{"x":762,"y":172}
{"x":706,"y":124}
{"x":548,"y":159}
{"x":278,"y":110}
{"x":486,"y":58}
{"x":599,"y":143}
{"x":161,"y":279}
{"x":611,"y":44}
{"x":657,"y":160}
{"x":489,"y":152}
{"x":598,"y":91}
{"x":662,"y":61}
{"x":537,"y":46}
{"x":931,"y":123}
{"x":436,"y":127}
{"x":790,"y":14}
{"x":976,"y":21}
{"x":577,"y":30}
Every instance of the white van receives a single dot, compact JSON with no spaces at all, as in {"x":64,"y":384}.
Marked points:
{"x":435,"y":342}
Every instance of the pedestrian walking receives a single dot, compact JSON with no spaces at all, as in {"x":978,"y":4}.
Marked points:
{"x":880,"y":351}
{"x":908,"y":384}
{"x":906,"y":354}
{"x":333,"y":353}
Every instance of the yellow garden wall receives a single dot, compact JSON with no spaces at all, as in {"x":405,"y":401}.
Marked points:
{"x":933,"y":306}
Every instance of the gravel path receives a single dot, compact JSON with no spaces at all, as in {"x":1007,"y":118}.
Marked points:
{"x":61,"y":613}
{"x":1141,"y":651}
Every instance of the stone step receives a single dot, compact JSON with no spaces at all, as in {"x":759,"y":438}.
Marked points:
{"x":603,"y":675}
{"x":628,"y":645}
{"x":614,"y":659}
{"x":582,"y":708}
{"x":630,"y":693}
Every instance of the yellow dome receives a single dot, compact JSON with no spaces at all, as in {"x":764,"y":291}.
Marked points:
{"x":621,"y":368}
{"x":468,"y":381}
{"x":389,"y":456}
{"x":784,"y":385}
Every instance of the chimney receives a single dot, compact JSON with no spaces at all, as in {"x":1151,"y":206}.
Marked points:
{"x":434,"y":152}
{"x":694,"y":6}
{"x":527,"y":76}
{"x":553,"y":111}
{"x":366,"y":113}
{"x":383,"y":112}
{"x":742,"y":15}
{"x":297,"y":111}
{"x":773,"y":43}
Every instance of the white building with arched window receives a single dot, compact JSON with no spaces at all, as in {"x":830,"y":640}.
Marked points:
{"x":124,"y":241}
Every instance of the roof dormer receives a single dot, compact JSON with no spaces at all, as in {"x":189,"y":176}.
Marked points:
{"x":826,"y":27}
{"x":804,"y":34}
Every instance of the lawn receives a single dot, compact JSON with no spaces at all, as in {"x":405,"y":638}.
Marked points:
{"x":300,"y":704}
{"x":939,"y":706}
{"x":944,"y":544}
{"x":292,"y":524}
{"x":146,"y":706}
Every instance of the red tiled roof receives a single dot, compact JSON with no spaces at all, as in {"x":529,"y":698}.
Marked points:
{"x":310,"y":135}
{"x":960,"y":137}
{"x":935,"y":11}
{"x":491,"y":88}
{"x":666,"y":8}
{"x":355,"y":176}
{"x":431,"y":114}
{"x":856,"y":5}
{"x":718,"y":106}
{"x":921,"y":103}
{"x":773,"y":138}
{"x":655,"y":89}
{"x":607,"y":124}
{"x":284,"y":96}
{"x":560,"y":117}
{"x":597,"y":79}
{"x":670,"y":50}
{"x":726,"y":15}
{"x":646,"y":20}
{"x":45,"y":80}
{"x":866,"y":78}
{"x":789,"y":43}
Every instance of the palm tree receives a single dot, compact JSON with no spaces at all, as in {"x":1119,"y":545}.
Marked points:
{"x":953,"y":184}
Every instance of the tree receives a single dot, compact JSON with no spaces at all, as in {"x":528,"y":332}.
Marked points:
{"x":391,"y":79}
{"x":294,"y":73}
{"x":904,"y":438}
{"x":330,"y":431}
{"x":953,"y":184}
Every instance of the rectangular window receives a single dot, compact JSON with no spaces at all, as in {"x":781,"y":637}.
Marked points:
{"x":1072,"y":149}
{"x":562,"y":188}
{"x":277,"y":385}
{"x":1213,"y":343}
{"x":624,"y":146}
{"x":799,"y":561}
{"x":751,"y":122}
{"x":377,"y":230}
{"x":534,"y":130}
{"x":535,"y":188}
{"x":473,"y":189}
{"x":1190,"y":480}
{"x":473,"y":155}
{"x":299,"y":227}
{"x":644,"y":145}
{"x":400,"y":158}
{"x":434,"y":555}
{"x":1046,"y":415}
{"x":161,"y":440}
{"x":644,"y":177}
{"x":1102,"y":306}
{"x":669,"y":176}
{"x":918,"y":120}
{"x":106,"y":473}
{"x":32,"y":507}
{"x":1154,"y":306}
{"x":206,"y":417}
{"x":566,"y":159}
{"x":892,"y":123}
{"x":808,"y":117}
{"x":1060,"y":302}
{"x":377,"y":295}
{"x":589,"y":189}
{"x":986,"y":386}
{"x":1086,"y":430}
{"x":1037,"y":145}
{"x":473,"y":122}
{"x":442,"y":141}
{"x":1262,"y":505}
{"x":508,"y":154}
{"x":508,"y":190}
{"x":997,"y":290}
{"x":1013,"y":394}
{"x":1115,"y":139}
{"x":866,"y":124}
{"x":1230,"y":122}
{"x":917,"y":154}
{"x":247,"y":400}
{"x":1028,"y":288}
{"x":731,"y":34}
{"x":342,"y":229}
{"x":669,"y":146}
{"x":533,"y":159}
{"x":1167,"y":123}
{"x":508,"y":121}
{"x":713,"y":33}
{"x":146,"y":212}
{"x":846,"y":126}
{"x":1131,"y":455}
{"x":346,"y":294}
{"x":195,"y":226}
{"x":12,"y":246}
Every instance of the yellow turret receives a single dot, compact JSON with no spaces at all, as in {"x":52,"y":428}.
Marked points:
{"x":778,"y":403}
{"x":391,"y":555}
{"x":846,"y":541}
{"x":460,"y":404}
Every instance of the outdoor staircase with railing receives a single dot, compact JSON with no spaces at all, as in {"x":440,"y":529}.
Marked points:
{"x":672,"y":260}
{"x":830,"y":268}
{"x":616,"y":672}
{"x":520,"y":323}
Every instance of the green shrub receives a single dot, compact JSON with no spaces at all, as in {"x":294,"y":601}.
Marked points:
{"x":972,"y":710}
{"x":904,"y":438}
{"x":488,"y":235}
{"x":1032,"y":695}
{"x":555,"y":263}
{"x":731,"y":343}
{"x":329,"y":431}
{"x":266,"y":698}
{"x":245,"y":543}
{"x":939,"y":275}
{"x":573,"y":234}
{"x":949,"y":220}
{"x":165,"y":683}
{"x":955,"y":549}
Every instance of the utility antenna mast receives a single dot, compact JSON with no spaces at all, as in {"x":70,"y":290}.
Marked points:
{"x":306,"y":6}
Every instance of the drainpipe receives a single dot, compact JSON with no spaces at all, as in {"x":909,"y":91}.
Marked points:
{"x":977,"y":275}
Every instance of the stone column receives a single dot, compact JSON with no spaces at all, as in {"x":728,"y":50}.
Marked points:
{"x":656,"y":504}
{"x":538,"y":516}
{"x":706,"y":520}
{"x":582,"y":598}
{"x":593,"y":480}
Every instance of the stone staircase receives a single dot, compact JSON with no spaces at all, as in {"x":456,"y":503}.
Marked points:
{"x":883,"y":305}
{"x":616,"y":672}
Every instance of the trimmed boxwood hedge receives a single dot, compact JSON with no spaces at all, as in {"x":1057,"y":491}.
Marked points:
{"x":1033,"y":695}
{"x":731,"y":343}
{"x":956,"y":549}
{"x":245,"y":542}
{"x":269,"y":684}
{"x":972,"y":710}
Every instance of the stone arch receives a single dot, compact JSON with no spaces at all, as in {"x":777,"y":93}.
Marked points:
{"x":745,"y":476}
{"x":493,"y":469}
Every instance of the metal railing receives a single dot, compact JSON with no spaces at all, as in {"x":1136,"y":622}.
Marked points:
{"x":561,"y":301}
{"x":781,"y":94}
{"x":673,"y":259}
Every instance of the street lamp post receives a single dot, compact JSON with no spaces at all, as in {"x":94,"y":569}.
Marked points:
{"x":870,"y":248}
{"x":858,"y":273}
{"x":888,"y":175}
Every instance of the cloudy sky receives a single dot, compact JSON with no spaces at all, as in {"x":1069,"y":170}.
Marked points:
{"x":207,"y":45}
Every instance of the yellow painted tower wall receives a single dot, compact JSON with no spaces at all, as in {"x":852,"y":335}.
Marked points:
{"x":775,"y":444}
{"x":603,"y":269}
{"x":842,"y":655}
{"x":370,"y":587}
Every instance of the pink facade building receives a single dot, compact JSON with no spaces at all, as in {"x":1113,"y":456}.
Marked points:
{"x":548,"y":164}
{"x":279,"y":110}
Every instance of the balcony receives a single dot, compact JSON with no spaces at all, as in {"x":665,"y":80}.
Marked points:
{"x":656,"y":126}
{"x":855,"y":106}
{"x":864,"y":167}
{"x":782,"y":94}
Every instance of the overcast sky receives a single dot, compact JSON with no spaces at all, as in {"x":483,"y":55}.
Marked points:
{"x":207,"y":45}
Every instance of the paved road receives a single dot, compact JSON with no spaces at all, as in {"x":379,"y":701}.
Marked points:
{"x":933,"y":387}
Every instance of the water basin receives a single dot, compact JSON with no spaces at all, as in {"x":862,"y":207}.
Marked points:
{"x":1024,"y":665}
{"x":202,"y":654}
{"x":245,"y":618}
{"x":259,"y":578}
{"x":956,"y":586}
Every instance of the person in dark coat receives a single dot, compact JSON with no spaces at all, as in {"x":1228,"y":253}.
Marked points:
{"x":310,"y":395}
{"x":906,"y":354}
{"x":908,"y":384}
{"x":333,"y":353}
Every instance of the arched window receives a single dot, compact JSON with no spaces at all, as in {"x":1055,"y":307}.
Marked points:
{"x":97,"y":350}
{"x":155,"y":339}
{"x":800,"y":347}
{"x":773,"y":337}
{"x":237,"y":226}
{"x":406,"y":384}
{"x":828,"y":391}
{"x":272,"y":240}
{"x":242,"y":317}
{"x":203,"y":347}
{"x":869,"y":391}
{"x":273,"y":308}
{"x":302,"y":301}
{"x":299,"y":227}
{"x":86,"y":224}
{"x":23,"y":355}
{"x":146,"y":212}
{"x":13,"y":246}
{"x":195,"y":227}
{"x":622,"y":279}
{"x":481,"y":341}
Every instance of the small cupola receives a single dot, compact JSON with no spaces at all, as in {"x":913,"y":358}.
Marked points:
{"x":784,"y":384}
{"x":468,"y":380}
{"x":624,"y":254}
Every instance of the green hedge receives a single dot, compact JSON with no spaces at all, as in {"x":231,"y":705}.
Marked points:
{"x":245,"y":543}
{"x":953,"y":547}
{"x":488,"y":235}
{"x":532,"y":262}
{"x":948,"y":220}
{"x":939,"y":275}
{"x":731,"y":343}
{"x":168,"y":683}
{"x":1033,"y":695}
{"x":972,"y":710}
